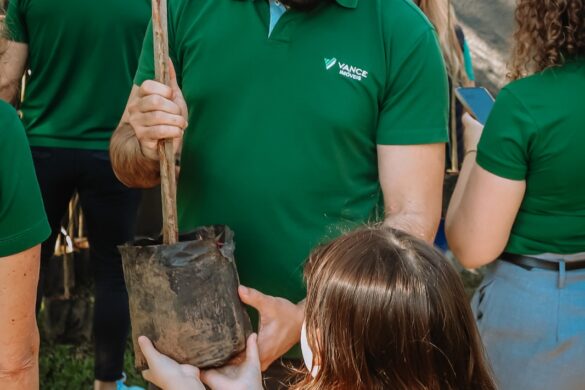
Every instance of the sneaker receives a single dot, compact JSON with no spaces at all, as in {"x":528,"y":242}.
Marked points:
{"x":120,"y":384}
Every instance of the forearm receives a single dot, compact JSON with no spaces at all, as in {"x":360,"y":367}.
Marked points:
{"x":19,"y":368}
{"x":411,"y":178}
{"x":457,"y":228}
{"x":8,"y":90}
{"x":13,"y":57}
{"x":421,"y":225}
{"x":19,"y":336}
{"x":129,"y":163}
{"x":464,"y":175}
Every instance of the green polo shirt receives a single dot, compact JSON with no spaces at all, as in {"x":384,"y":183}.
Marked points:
{"x":82,"y":55}
{"x":282,"y":136}
{"x":23,"y":223}
{"x":536,"y":133}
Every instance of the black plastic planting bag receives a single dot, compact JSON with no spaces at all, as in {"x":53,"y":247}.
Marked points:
{"x":184,"y":297}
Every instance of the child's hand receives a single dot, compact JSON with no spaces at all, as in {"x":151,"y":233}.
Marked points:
{"x":166,"y":373}
{"x":244,"y":376}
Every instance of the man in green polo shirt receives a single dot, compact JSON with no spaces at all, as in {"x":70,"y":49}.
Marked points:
{"x":82,"y":56}
{"x":303,"y":121}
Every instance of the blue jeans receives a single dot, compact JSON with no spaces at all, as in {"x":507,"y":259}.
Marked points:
{"x":532,"y":327}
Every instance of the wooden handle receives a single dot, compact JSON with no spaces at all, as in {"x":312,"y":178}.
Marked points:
{"x":165,"y":147}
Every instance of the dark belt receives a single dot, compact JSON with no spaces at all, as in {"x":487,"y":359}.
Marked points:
{"x":529,"y":263}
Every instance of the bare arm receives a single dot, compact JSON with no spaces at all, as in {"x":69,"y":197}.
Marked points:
{"x":19,"y":336}
{"x":13,"y":58}
{"x":154,"y":112}
{"x":482,"y":210}
{"x":411,"y":178}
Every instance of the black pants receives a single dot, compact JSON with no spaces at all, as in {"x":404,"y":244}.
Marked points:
{"x":110,"y":213}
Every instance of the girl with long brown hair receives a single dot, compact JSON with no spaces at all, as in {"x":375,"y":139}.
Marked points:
{"x":519,"y":205}
{"x":384,"y":310}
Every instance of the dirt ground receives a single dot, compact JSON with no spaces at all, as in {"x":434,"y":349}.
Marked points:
{"x":488,"y":25}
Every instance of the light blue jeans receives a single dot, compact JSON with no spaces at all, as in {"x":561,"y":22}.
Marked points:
{"x":532,"y":324}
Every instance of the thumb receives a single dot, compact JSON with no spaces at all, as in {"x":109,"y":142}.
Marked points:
{"x":150,"y":353}
{"x":252,"y":355}
{"x":254,"y":298}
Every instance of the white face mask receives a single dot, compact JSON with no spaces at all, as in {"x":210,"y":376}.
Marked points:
{"x":307,"y":353}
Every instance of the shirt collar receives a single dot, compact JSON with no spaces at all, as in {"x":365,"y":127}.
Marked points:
{"x":343,"y":3}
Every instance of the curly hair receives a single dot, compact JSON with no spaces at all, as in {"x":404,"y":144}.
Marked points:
{"x":548,"y":33}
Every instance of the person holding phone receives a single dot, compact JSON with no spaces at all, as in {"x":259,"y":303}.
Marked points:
{"x":519,"y":205}
{"x":23,"y":226}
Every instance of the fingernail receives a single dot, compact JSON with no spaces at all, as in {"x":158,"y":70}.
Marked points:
{"x":244,"y":290}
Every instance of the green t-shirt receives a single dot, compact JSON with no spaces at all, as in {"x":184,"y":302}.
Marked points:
{"x":282,"y":136}
{"x":23,"y":223}
{"x":82,"y":55}
{"x":536,"y":133}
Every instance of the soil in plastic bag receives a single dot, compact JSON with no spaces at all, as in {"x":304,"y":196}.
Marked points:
{"x":184,"y":297}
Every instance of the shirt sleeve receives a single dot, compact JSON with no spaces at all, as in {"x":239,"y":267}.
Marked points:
{"x":15,"y":26}
{"x":145,"y":69}
{"x":505,"y":142}
{"x":415,"y":106}
{"x":23,"y":222}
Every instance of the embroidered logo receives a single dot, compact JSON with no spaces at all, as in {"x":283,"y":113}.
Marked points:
{"x":346,"y":70}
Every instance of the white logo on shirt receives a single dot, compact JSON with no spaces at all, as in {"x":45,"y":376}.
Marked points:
{"x":346,"y":70}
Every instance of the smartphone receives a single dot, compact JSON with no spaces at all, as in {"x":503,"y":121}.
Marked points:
{"x":477,"y":100}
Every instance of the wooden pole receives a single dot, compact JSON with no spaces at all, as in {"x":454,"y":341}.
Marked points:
{"x":165,"y":147}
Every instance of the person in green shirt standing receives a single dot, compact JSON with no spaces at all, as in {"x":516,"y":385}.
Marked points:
{"x":305,"y":118}
{"x":23,"y":226}
{"x":519,"y":206}
{"x":82,"y":56}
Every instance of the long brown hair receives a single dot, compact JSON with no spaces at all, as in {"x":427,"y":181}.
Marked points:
{"x":384,"y":310}
{"x":442,"y":15}
{"x":548,"y":32}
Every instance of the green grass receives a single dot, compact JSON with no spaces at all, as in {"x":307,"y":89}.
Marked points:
{"x":70,"y":367}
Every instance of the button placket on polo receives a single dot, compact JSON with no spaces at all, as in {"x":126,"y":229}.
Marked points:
{"x":284,"y":28}
{"x":277,"y":10}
